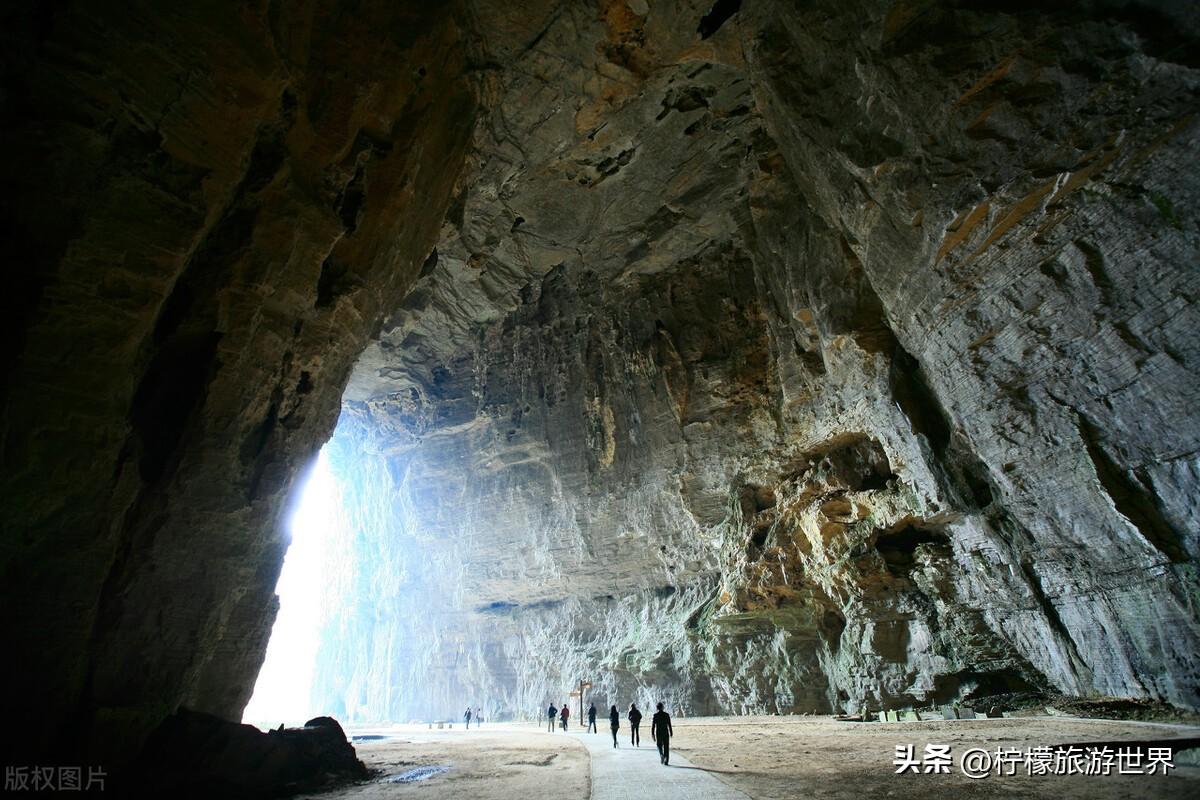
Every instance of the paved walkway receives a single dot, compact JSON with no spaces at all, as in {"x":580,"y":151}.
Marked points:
{"x":635,"y":772}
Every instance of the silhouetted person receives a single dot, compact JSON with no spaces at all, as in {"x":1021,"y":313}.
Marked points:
{"x":592,"y":718}
{"x":467,"y":717}
{"x":564,"y":715}
{"x":635,"y":719}
{"x":552,"y":715}
{"x":614,"y":719}
{"x":660,"y":732}
{"x":478,"y":716}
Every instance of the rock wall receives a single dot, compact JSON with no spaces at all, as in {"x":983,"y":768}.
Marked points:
{"x":206,"y":207}
{"x":838,"y":359}
{"x":758,"y":356}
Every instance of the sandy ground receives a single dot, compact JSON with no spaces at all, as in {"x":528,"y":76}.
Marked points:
{"x":771,"y":758}
{"x":489,"y":763}
{"x":768,"y":758}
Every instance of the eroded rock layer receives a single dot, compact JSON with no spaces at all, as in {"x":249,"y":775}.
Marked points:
{"x":840,"y":359}
{"x":207,"y":208}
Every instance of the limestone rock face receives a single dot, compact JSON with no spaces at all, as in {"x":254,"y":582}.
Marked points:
{"x":755,"y":357}
{"x":839,"y":359}
{"x":208,"y":206}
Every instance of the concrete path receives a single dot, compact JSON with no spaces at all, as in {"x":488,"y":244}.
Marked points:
{"x":635,"y":772}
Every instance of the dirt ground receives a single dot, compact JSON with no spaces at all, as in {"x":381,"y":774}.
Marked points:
{"x":768,"y":758}
{"x":490,"y":763}
{"x":772,"y":758}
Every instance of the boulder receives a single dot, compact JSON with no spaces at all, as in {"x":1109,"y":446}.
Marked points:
{"x":193,"y":754}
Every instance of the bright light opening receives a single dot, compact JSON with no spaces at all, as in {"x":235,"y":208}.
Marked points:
{"x":283,"y":693}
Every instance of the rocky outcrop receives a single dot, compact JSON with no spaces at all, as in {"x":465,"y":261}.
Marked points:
{"x":835,"y":360}
{"x":209,"y":208}
{"x":198,"y":755}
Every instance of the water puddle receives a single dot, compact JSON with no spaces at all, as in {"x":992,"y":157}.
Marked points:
{"x":417,"y":774}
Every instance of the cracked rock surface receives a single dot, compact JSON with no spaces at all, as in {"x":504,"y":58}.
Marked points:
{"x":762,"y":358}
{"x":838,"y":360}
{"x":210,"y":208}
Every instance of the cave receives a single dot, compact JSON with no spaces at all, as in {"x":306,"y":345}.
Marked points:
{"x":754,"y":358}
{"x":898,"y":546}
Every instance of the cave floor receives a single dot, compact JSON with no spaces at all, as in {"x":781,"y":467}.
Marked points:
{"x":772,"y":758}
{"x":764,"y":758}
{"x":491,"y":763}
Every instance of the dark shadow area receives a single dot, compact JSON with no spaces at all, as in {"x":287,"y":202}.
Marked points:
{"x":898,"y":545}
{"x":972,"y":686}
{"x":717,"y":16}
{"x":1133,"y":500}
{"x":199,"y":755}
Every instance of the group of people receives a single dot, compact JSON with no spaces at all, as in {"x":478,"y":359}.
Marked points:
{"x":660,"y":725}
{"x":477,"y":716}
{"x":561,"y":716}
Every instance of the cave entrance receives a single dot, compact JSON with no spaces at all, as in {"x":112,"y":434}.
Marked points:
{"x":283,"y":692}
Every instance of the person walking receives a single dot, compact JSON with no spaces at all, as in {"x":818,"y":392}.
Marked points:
{"x":552,"y":715}
{"x":564,"y":715}
{"x":614,"y":719}
{"x":592,"y":718}
{"x":467,"y":717}
{"x":635,"y":719}
{"x":478,"y":716}
{"x":660,"y":732}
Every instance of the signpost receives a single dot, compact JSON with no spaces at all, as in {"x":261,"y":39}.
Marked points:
{"x":583,"y":687}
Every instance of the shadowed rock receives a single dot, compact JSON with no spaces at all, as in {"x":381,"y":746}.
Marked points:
{"x":198,"y":755}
